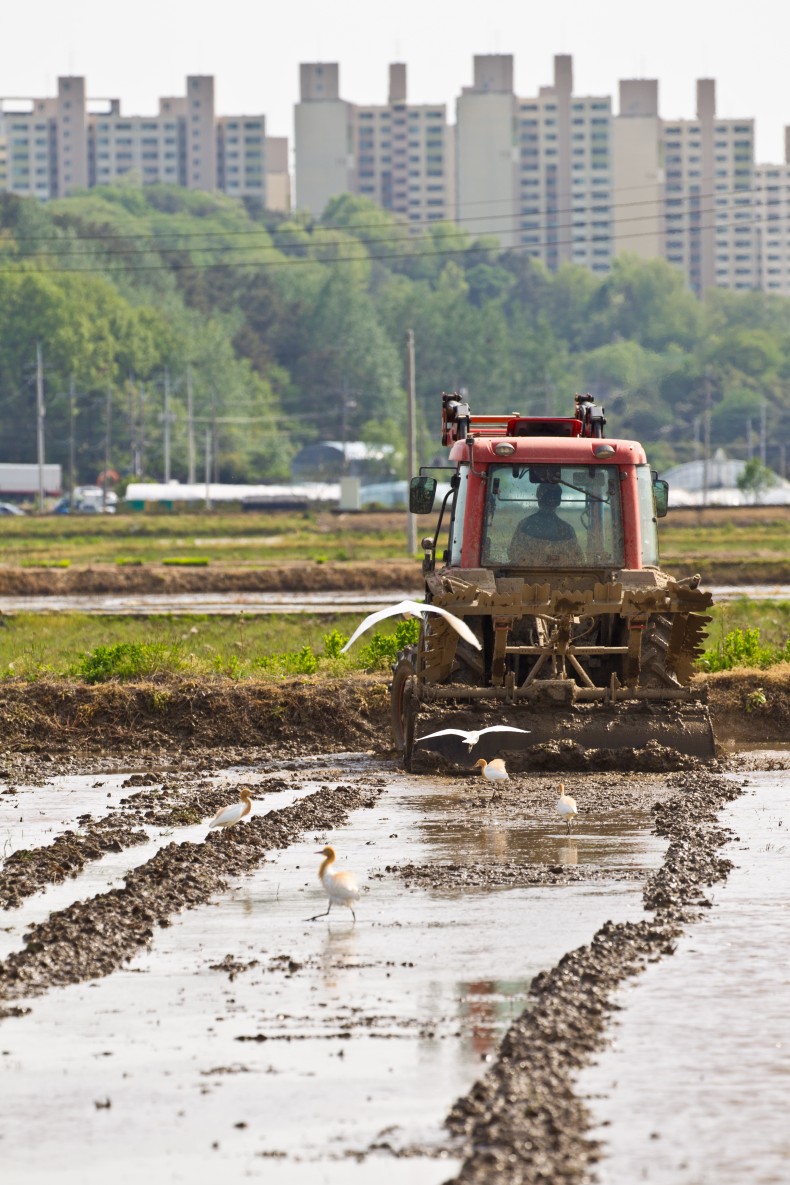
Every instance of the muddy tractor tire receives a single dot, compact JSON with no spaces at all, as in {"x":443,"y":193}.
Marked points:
{"x":403,"y":704}
{"x":655,"y":644}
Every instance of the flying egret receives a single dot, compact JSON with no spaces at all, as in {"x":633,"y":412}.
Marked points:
{"x":226,"y":816}
{"x":411,"y":609}
{"x":340,"y":887}
{"x":566,"y":806}
{"x":471,"y":738}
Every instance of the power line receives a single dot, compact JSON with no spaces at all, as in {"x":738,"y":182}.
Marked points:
{"x":399,"y":233}
{"x":415,"y":255}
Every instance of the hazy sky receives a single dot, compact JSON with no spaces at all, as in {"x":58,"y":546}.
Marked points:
{"x":142,"y":49}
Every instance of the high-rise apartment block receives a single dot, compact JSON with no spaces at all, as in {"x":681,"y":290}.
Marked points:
{"x":52,"y":147}
{"x":558,"y":176}
{"x":399,"y":155}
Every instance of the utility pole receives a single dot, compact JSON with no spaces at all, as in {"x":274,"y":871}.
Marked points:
{"x":40,"y":424}
{"x":411,"y":434}
{"x":72,"y":443}
{"x":190,"y":429}
{"x":107,"y":432}
{"x":214,"y":449}
{"x":763,"y":433}
{"x":706,"y":430}
{"x":141,"y":430}
{"x":166,"y":419}
{"x":749,"y":440}
{"x":208,"y":469}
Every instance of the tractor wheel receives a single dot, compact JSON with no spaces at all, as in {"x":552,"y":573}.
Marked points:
{"x":655,"y":643}
{"x":403,"y":703}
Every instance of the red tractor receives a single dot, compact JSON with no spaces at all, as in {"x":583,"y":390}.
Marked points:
{"x":551,"y":557}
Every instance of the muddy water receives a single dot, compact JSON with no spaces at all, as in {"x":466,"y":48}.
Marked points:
{"x":211,"y":602}
{"x":696,"y":1094}
{"x":332,"y":1040}
{"x":32,"y":816}
{"x":276,"y":602}
{"x":98,"y":876}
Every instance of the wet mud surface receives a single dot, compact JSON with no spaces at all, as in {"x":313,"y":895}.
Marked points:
{"x":93,"y":938}
{"x":523,"y":1122}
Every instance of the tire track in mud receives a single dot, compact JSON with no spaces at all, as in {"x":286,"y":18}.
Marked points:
{"x":522,"y":1122}
{"x":93,"y":938}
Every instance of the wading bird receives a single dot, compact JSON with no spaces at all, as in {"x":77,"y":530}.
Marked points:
{"x":493,"y":770}
{"x":412,"y":609}
{"x":471,"y":738}
{"x":340,"y":887}
{"x":226,"y":816}
{"x":566,"y":806}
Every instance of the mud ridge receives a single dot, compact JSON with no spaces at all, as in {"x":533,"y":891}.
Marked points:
{"x":28,"y":870}
{"x":522,"y":1123}
{"x":93,"y":938}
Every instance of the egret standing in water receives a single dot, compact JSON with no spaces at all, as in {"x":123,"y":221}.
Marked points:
{"x":226,"y":816}
{"x":493,"y":770}
{"x":566,"y":806}
{"x":340,"y":887}
{"x":414,"y":609}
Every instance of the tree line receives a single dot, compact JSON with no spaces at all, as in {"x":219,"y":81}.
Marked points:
{"x":279,"y":330}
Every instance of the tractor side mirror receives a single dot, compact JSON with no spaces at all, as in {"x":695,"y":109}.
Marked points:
{"x":422,"y":491}
{"x":661,"y":496}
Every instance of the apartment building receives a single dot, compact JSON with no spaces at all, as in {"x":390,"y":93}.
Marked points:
{"x":772,"y":226}
{"x":536,"y":172}
{"x":709,"y":222}
{"x":397,"y":154}
{"x":52,"y":147}
{"x":638,"y":169}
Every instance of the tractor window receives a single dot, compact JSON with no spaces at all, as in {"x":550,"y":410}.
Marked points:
{"x":648,"y":523}
{"x":457,"y":520}
{"x":553,"y":516}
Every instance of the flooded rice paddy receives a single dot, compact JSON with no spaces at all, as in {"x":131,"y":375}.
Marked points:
{"x":246,"y":1042}
{"x":143,"y":604}
{"x":694,"y":1088}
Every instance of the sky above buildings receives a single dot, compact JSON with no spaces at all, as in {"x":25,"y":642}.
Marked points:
{"x":139,"y":51}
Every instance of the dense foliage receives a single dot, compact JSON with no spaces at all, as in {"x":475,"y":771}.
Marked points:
{"x":292,"y":329}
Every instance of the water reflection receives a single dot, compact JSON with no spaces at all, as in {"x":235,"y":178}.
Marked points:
{"x":568,"y":852}
{"x":487,"y":1007}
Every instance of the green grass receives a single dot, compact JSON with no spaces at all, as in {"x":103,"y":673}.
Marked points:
{"x":94,"y":649}
{"x":221,"y":539}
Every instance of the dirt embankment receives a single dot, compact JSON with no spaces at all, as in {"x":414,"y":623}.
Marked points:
{"x":306,"y":577}
{"x":293,"y":717}
{"x":100,"y":579}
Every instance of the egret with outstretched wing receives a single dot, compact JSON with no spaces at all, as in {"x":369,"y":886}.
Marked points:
{"x":471,"y":738}
{"x":412,"y":609}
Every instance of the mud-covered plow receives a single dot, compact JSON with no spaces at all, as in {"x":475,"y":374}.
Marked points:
{"x":580,"y":633}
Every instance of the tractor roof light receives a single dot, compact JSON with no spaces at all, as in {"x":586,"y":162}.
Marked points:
{"x":504,"y":449}
{"x":604,"y":450}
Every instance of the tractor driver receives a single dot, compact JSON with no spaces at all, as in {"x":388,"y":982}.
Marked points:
{"x":543,"y":537}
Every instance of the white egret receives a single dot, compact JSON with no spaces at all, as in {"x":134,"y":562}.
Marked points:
{"x":471,"y":738}
{"x":493,"y":770}
{"x":412,"y":609}
{"x":226,"y":816}
{"x":566,"y":806}
{"x":340,"y":887}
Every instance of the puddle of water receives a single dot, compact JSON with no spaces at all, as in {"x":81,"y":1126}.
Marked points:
{"x":698,"y":1092}
{"x":34,"y":816}
{"x":210,"y":602}
{"x":99,"y":876}
{"x":362,"y":1034}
